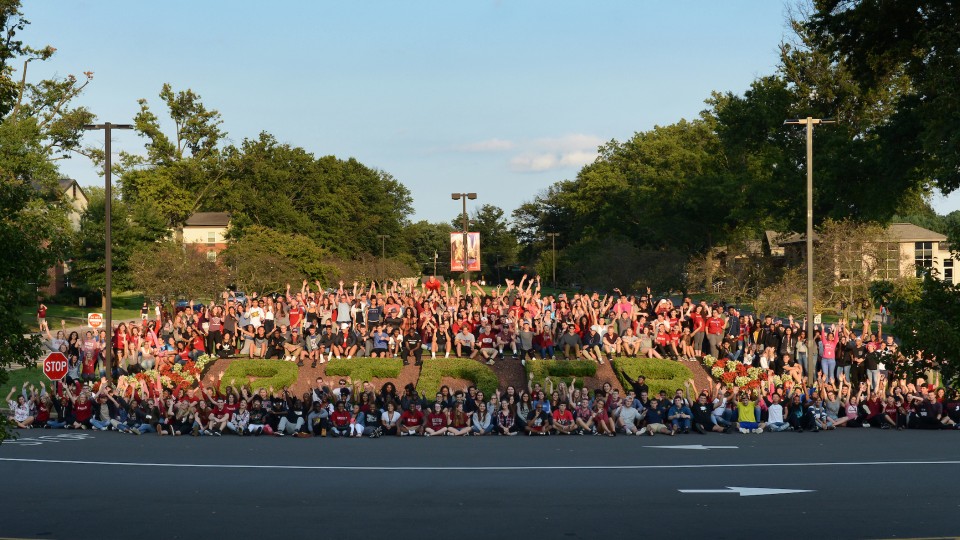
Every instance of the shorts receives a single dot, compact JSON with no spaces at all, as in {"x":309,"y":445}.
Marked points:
{"x":488,"y":351}
{"x":749,"y":425}
{"x":656,"y":427}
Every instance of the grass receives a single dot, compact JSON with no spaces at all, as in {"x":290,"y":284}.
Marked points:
{"x":434,"y":369}
{"x":16,"y":378}
{"x":267,"y":373}
{"x":365,"y":369}
{"x":560,"y":371}
{"x":126,"y":306}
{"x":664,"y":375}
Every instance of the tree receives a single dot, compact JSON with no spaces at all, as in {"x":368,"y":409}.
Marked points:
{"x":423,"y":240}
{"x":264,"y":260}
{"x":133,"y":225}
{"x":167,"y":271}
{"x":928,"y":326}
{"x":37,"y":125}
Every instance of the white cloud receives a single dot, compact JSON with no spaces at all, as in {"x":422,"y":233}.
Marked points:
{"x":534,"y":162}
{"x":569,"y":143}
{"x":489,"y":145}
{"x":568,"y":151}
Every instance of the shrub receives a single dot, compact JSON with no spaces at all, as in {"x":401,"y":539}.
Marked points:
{"x":275,"y":373}
{"x":365,"y":369}
{"x":434,"y":369}
{"x":561,"y":370}
{"x":665,"y":375}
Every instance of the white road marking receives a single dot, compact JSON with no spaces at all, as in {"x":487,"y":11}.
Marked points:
{"x":692,"y":447}
{"x":747,"y":491}
{"x":464,"y":468}
{"x":36,"y":441}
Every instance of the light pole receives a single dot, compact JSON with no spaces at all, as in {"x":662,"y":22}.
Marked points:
{"x":383,"y":251}
{"x":811,"y":345}
{"x":108,"y":261}
{"x":553,"y":239}
{"x":466,"y":225}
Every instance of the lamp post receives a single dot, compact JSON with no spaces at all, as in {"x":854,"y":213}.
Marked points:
{"x":553,"y":239}
{"x":108,"y":261}
{"x":383,"y":251}
{"x":811,"y":345}
{"x":466,"y":225}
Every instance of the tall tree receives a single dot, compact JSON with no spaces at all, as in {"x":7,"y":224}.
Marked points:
{"x":38,"y":123}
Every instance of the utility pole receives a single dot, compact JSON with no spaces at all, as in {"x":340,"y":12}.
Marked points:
{"x":383,"y":253}
{"x":108,"y":262}
{"x":553,"y":239}
{"x":811,"y":345}
{"x":466,"y":225}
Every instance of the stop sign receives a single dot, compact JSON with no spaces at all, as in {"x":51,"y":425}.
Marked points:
{"x":55,"y":366}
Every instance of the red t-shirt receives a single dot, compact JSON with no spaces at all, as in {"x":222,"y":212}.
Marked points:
{"x":198,"y":344}
{"x":714,"y":325}
{"x":411,"y":419}
{"x":295,"y":314}
{"x":82,"y":411}
{"x":564,"y":418}
{"x":340,"y":418}
{"x":436,"y":420}
{"x":486,"y":341}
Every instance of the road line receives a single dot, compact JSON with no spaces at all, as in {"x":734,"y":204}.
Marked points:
{"x":457,"y":468}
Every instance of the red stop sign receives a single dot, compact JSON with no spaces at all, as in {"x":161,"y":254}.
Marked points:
{"x":55,"y":366}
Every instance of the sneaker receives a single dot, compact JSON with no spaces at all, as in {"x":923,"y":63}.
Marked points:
{"x":865,"y":424}
{"x":523,"y":362}
{"x":313,"y":364}
{"x":885,"y":426}
{"x":299,"y":364}
{"x":490,"y":362}
{"x":426,"y":434}
{"x":744,"y":430}
{"x":216,"y":433}
{"x":758,"y":430}
{"x":195,"y":431}
{"x":208,"y":433}
{"x":698,"y":429}
{"x":642,"y":431}
{"x":593,"y":431}
{"x":279,"y":433}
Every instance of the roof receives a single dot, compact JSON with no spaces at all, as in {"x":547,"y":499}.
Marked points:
{"x":900,"y":232}
{"x":908,"y":232}
{"x":208,"y":219}
{"x":67,"y":183}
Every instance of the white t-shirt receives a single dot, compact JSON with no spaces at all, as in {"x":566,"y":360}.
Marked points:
{"x":775,"y":414}
{"x":390,"y":420}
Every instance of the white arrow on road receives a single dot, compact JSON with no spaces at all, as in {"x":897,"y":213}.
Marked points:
{"x":748,"y":491}
{"x":691,"y":447}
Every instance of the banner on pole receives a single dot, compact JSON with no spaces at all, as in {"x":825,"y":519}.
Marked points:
{"x":456,"y":252}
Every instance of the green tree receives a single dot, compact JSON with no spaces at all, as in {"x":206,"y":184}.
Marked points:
{"x":133,"y":225}
{"x":424,"y":239}
{"x":265,"y":260}
{"x":38,"y":124}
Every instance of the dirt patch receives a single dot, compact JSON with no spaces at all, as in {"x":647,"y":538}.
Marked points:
{"x":700,"y":376}
{"x":511,"y":373}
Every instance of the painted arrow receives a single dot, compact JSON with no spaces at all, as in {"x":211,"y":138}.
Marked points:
{"x":692,"y":447}
{"x":748,"y":491}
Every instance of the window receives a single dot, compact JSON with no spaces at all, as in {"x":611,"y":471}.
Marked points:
{"x":948,"y":269}
{"x":923,"y":257}
{"x":212,"y":256}
{"x":211,"y":238}
{"x":890,"y":269}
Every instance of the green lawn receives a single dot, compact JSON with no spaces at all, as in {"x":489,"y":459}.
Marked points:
{"x":125,"y":306}
{"x":16,"y":379}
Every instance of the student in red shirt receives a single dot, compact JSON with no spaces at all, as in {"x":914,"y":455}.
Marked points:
{"x":82,"y":410}
{"x":411,"y":421}
{"x":563,"y":420}
{"x":436,"y":421}
{"x":340,"y":421}
{"x":714,"y":326}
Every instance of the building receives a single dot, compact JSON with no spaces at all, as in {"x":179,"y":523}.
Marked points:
{"x":207,"y":232}
{"x":911,"y":251}
{"x":77,"y":201}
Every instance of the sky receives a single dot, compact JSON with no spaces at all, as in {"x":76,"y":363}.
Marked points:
{"x":502,"y":98}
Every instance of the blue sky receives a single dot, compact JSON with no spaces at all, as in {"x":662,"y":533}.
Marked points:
{"x":502,"y":98}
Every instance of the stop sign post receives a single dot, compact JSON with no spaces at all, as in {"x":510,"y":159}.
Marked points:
{"x":55,"y":366}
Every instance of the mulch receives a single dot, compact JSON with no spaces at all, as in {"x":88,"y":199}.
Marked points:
{"x":509,"y":371}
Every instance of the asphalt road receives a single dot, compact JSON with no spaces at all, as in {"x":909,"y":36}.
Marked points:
{"x":849,"y":484}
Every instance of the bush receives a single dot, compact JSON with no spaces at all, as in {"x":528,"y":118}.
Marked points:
{"x":561,"y":370}
{"x":365,"y":369}
{"x":275,"y":373}
{"x":661,"y":374}
{"x":434,"y":369}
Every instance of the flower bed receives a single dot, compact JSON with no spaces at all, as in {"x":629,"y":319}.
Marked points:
{"x":732,"y":372}
{"x":176,"y":378}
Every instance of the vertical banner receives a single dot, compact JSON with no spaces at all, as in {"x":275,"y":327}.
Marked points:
{"x":456,"y":252}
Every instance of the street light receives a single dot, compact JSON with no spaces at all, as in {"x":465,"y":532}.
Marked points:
{"x":464,"y":197}
{"x":108,"y":261}
{"x":553,"y":239}
{"x":811,"y":345}
{"x":383,"y":251}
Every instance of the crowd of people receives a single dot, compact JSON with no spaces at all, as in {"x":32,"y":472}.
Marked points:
{"x":854,"y":384}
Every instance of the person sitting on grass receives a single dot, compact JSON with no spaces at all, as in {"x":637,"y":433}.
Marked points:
{"x":464,"y":343}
